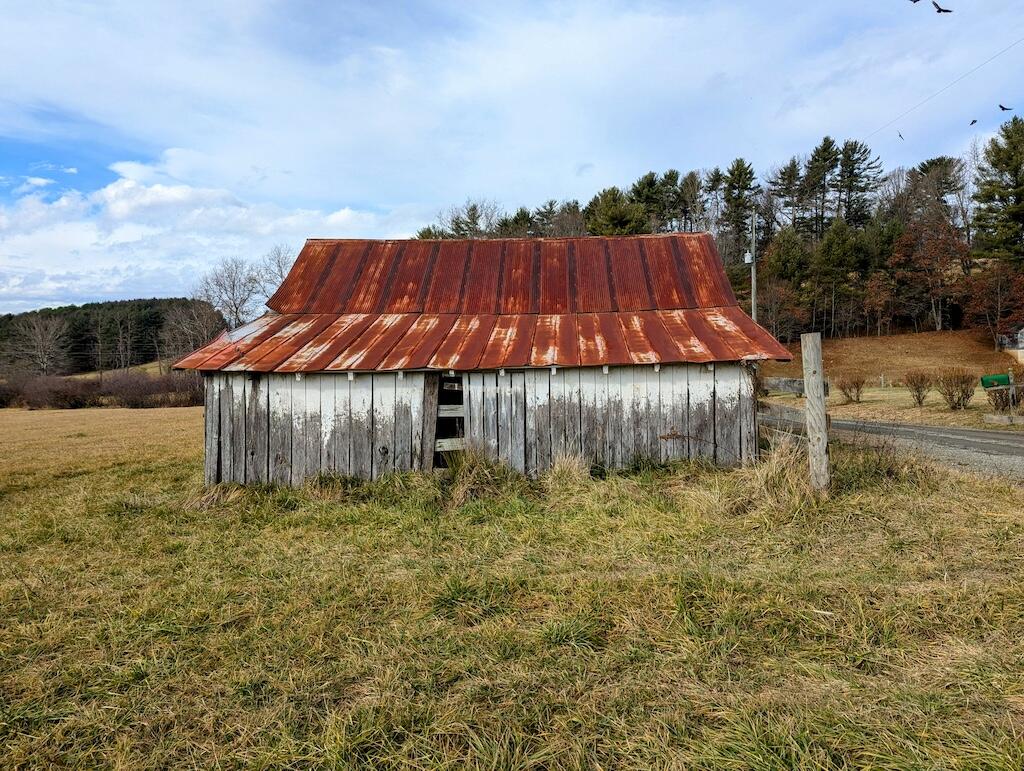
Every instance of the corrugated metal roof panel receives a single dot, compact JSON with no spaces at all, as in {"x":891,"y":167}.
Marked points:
{"x":421,"y":341}
{"x":556,"y":341}
{"x":444,"y":294}
{"x":367,"y":305}
{"x":483,"y":277}
{"x":511,"y":342}
{"x":555,"y":296}
{"x":464,"y":345}
{"x":593,"y":278}
{"x":368,"y":350}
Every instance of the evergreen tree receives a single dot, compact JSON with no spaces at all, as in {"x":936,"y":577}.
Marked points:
{"x":819,"y":183}
{"x":785,"y":185}
{"x":691,"y":202}
{"x":999,"y":221}
{"x":858,"y":176}
{"x":647,"y":191}
{"x":739,"y":191}
{"x":612,"y":213}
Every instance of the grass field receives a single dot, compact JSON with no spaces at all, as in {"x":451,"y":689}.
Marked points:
{"x":895,"y":405}
{"x":892,"y":357}
{"x":681,"y":617}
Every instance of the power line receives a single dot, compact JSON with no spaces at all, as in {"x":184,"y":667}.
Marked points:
{"x":945,"y":88}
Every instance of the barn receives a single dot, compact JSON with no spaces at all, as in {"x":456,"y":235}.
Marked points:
{"x":381,"y":356}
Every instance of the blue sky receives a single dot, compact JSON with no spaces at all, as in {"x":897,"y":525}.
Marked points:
{"x":141,"y":142}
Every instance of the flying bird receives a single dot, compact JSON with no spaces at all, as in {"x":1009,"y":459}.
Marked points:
{"x":900,"y":136}
{"x":940,"y":9}
{"x":915,"y":1}
{"x":974,"y":121}
{"x":1005,"y":109}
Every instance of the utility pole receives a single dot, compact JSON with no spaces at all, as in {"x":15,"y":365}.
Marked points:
{"x":751,"y":259}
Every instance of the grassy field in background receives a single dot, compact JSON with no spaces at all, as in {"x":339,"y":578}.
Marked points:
{"x":895,"y":405}
{"x":894,"y":355}
{"x":683,"y":617}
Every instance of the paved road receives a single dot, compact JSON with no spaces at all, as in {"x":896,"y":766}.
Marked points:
{"x":998,"y":452}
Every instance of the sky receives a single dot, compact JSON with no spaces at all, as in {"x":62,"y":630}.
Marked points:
{"x":142,"y":142}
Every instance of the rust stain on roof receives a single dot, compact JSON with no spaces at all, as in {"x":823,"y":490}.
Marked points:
{"x":358,"y":305}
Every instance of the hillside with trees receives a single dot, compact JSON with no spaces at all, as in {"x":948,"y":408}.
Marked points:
{"x":844,"y":246}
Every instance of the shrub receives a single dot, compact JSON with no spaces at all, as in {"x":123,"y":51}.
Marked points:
{"x":852,"y":387}
{"x":956,"y":386}
{"x":137,"y":390}
{"x":919,"y":383}
{"x":60,"y":393}
{"x":10,"y":393}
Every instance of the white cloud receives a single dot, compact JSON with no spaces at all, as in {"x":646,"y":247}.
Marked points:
{"x":131,"y":239}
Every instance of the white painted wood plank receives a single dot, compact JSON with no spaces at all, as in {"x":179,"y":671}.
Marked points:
{"x":573,"y":412}
{"x":727,"y":415}
{"x":383,"y":424}
{"x":227,"y":473}
{"x":211,"y":420}
{"x":504,"y":417}
{"x":280,"y":438}
{"x":701,"y":382}
{"x":239,"y":383}
{"x":328,"y":418}
{"x":609,"y":409}
{"x":257,"y":424}
{"x":299,"y":444}
{"x":342,"y":439}
{"x":362,"y":426}
{"x":489,"y":412}
{"x":558,"y":411}
{"x":517,"y":422}
{"x":405,"y":394}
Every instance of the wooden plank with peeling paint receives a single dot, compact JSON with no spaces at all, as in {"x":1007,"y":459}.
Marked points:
{"x":211,"y":433}
{"x":406,"y":393}
{"x":279,"y":439}
{"x":701,"y":381}
{"x":239,"y":384}
{"x":383,"y":424}
{"x":748,"y":416}
{"x":226,"y":439}
{"x":558,"y":409}
{"x":362,"y":426}
{"x":727,"y":415}
{"x":428,"y":428}
{"x":256,"y":427}
{"x":518,"y":445}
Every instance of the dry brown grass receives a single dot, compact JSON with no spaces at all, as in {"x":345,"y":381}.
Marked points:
{"x":894,"y":355}
{"x":684,"y":617}
{"x":896,"y":405}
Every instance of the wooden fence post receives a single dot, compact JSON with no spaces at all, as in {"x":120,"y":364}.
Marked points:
{"x":817,"y":427}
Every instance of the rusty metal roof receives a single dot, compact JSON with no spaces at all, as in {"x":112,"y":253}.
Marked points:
{"x":355,"y":305}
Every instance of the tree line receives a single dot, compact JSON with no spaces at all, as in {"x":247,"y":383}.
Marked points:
{"x":845,"y":247}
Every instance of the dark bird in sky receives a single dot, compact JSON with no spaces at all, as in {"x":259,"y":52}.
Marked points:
{"x":900,"y":136}
{"x":1005,"y":109}
{"x":940,"y":9}
{"x":915,"y":1}
{"x":974,"y":121}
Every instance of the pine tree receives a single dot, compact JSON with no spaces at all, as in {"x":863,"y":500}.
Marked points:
{"x":612,"y":213}
{"x":818,"y":184}
{"x":647,"y":192}
{"x":858,"y":177}
{"x":785,"y":185}
{"x":738,"y":195}
{"x":691,"y":201}
{"x":999,"y":221}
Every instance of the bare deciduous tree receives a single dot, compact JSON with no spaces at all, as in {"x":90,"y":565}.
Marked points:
{"x":233,"y":289}
{"x":272,"y":268}
{"x":188,"y":327}
{"x":39,"y":343}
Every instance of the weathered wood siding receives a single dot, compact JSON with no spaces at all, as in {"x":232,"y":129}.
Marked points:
{"x":614,"y":419}
{"x":274,"y":428}
{"x":279,"y":429}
